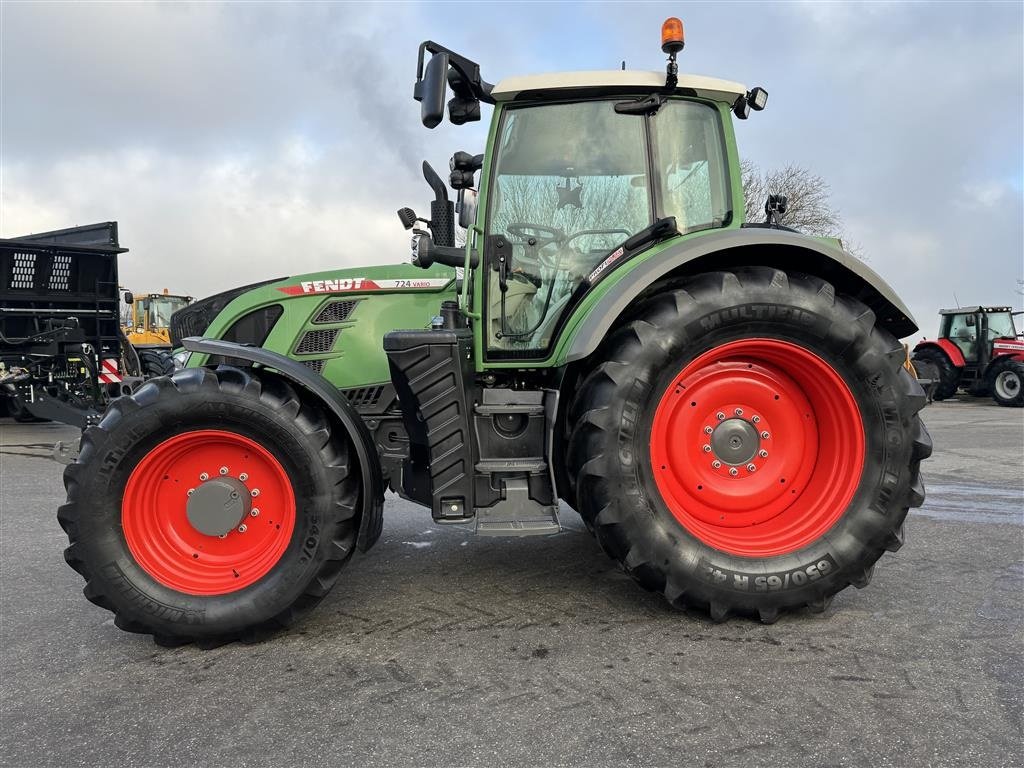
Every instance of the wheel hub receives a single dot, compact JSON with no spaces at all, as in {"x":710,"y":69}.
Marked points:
{"x":218,"y":506}
{"x":735,"y":441}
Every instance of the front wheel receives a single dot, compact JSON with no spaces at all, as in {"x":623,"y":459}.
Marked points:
{"x":210,"y":506}
{"x":748,"y":443}
{"x":1006,"y":382}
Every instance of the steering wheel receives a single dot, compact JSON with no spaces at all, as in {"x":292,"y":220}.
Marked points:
{"x":541,"y":235}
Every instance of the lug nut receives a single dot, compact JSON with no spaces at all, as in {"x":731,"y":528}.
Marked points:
{"x":255,"y":512}
{"x":755,"y":419}
{"x":204,"y":477}
{"x":738,"y":411}
{"x":751,"y":467}
{"x":243,"y":477}
{"x":191,"y":491}
{"x":733,"y":471}
{"x":765,"y":435}
{"x":716,"y":464}
{"x":254,"y":492}
{"x":223,"y":470}
{"x":242,"y":528}
{"x":708,"y":430}
{"x":721,"y":416}
{"x":707,"y":449}
{"x":222,"y":536}
{"x":763,"y":453}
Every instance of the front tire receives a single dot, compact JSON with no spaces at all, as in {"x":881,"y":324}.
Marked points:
{"x":835,"y":450}
{"x":146,"y":499}
{"x":156,"y":362}
{"x":1006,"y":383}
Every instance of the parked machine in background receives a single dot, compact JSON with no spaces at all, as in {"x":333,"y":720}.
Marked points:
{"x":147,"y":323}
{"x":978,"y":350}
{"x":63,"y":355}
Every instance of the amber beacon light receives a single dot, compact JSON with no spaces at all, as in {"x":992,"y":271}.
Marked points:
{"x":672,"y":35}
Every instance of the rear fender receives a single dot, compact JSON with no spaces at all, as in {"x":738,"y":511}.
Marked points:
{"x":371,"y":514}
{"x":952,"y":351}
{"x":727,"y":249}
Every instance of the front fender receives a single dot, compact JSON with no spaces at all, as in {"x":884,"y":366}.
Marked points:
{"x":725,"y":249}
{"x":371,"y":519}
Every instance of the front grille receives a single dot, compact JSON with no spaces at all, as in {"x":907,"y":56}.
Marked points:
{"x":314,"y":342}
{"x":194,"y":319}
{"x":336,"y":311}
{"x":315,"y":365}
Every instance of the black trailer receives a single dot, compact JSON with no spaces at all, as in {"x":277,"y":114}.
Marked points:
{"x":63,"y":354}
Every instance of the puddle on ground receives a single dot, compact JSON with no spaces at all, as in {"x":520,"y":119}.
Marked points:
{"x":971,"y":503}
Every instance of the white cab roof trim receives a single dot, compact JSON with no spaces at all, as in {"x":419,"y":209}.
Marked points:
{"x":708,"y":87}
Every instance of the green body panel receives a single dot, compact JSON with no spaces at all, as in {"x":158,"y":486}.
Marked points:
{"x":357,"y":357}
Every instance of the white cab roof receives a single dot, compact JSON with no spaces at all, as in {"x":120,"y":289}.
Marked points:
{"x":707,"y":87}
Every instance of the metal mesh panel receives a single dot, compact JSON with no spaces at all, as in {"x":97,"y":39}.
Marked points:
{"x":314,"y":342}
{"x":316,"y":365}
{"x":336,"y":311}
{"x":23,"y":273}
{"x":60,"y":273}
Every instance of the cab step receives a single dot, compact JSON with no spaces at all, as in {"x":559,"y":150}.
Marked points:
{"x":517,"y":514}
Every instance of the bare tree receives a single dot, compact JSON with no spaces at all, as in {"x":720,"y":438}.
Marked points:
{"x":809,"y":208}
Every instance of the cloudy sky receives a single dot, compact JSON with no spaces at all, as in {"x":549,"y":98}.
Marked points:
{"x":245,"y":141}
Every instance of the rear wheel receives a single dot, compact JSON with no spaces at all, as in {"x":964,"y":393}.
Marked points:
{"x":749,"y":443}
{"x":156,"y":362}
{"x":1006,"y":382}
{"x":210,"y":506}
{"x":948,"y":375}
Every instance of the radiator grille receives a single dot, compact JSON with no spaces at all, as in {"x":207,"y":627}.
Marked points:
{"x":315,"y":365}
{"x":318,"y":341}
{"x":336,"y":311}
{"x":23,"y":273}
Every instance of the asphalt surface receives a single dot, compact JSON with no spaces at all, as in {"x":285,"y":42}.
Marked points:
{"x":441,"y":649}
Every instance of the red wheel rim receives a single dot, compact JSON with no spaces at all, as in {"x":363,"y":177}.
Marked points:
{"x":166,"y":544}
{"x":757,"y":447}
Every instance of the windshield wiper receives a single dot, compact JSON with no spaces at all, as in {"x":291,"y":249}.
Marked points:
{"x":648,"y":105}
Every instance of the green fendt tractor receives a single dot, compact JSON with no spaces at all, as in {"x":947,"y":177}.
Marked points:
{"x":724,"y":403}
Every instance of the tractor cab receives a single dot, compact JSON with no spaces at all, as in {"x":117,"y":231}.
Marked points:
{"x":582,"y":172}
{"x":974,"y":330}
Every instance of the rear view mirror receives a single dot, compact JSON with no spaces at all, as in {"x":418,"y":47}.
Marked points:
{"x":128,"y":297}
{"x":467,"y":207}
{"x":433,"y":90}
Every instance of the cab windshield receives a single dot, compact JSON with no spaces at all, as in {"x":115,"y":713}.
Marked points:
{"x":162,"y":307}
{"x":571,"y":183}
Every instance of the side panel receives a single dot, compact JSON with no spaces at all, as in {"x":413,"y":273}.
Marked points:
{"x":952,"y":350}
{"x":720,"y":249}
{"x":334,"y":322}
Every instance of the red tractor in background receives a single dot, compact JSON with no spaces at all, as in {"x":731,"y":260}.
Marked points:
{"x":977,"y":350}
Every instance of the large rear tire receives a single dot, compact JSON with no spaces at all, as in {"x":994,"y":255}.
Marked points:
{"x":948,"y":375}
{"x":145,"y":513}
{"x":748,"y":442}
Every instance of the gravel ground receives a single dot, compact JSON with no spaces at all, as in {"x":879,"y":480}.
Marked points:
{"x":441,"y":649}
